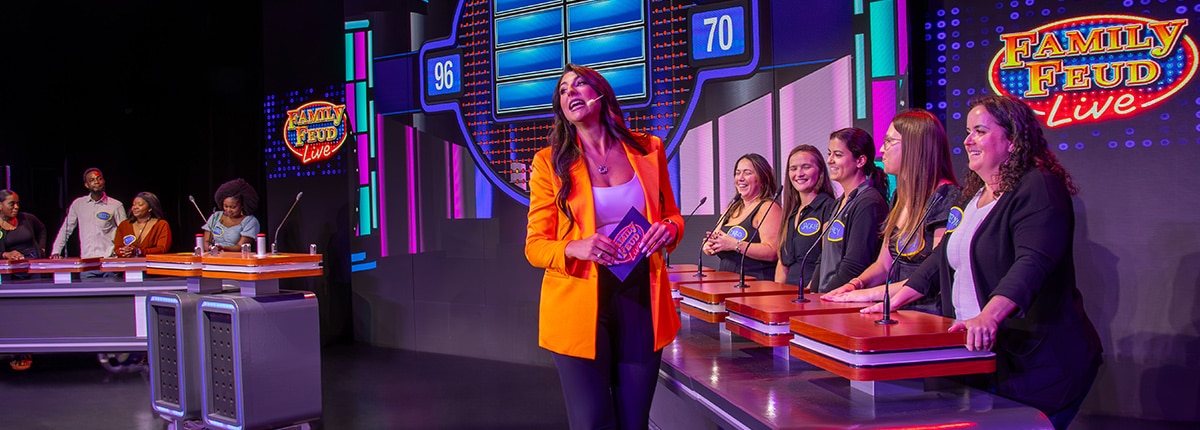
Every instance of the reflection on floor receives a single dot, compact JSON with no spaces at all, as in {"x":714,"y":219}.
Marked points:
{"x":363,"y":388}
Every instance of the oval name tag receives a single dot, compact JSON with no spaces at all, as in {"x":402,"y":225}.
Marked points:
{"x":809,"y":227}
{"x":837,"y":231}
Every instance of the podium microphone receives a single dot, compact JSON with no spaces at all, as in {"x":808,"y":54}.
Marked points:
{"x":203,"y":220}
{"x":820,"y":237}
{"x":275,"y":239}
{"x":700,"y":260}
{"x":887,"y":284}
{"x":742,"y":265}
{"x":685,"y":220}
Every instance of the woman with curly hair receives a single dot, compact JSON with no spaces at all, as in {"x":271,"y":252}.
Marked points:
{"x":605,"y":333}
{"x":230,"y":228}
{"x":1007,"y":272}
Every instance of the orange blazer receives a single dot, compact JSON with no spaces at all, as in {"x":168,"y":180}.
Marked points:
{"x":568,"y":309}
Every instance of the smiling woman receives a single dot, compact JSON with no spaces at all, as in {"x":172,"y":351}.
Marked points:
{"x":752,"y":222}
{"x":605,"y":332}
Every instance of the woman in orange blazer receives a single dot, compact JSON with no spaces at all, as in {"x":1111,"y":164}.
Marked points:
{"x":606,"y":335}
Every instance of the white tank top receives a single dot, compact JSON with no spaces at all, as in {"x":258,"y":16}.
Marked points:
{"x":612,"y":203}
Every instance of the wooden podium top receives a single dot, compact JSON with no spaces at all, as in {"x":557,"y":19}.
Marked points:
{"x":851,"y":345}
{"x":63,"y":265}
{"x":691,"y":278}
{"x":8,"y":267}
{"x":858,"y":332}
{"x":687,"y":268}
{"x":183,"y":264}
{"x":717,"y":292}
{"x":231,"y":265}
{"x":122,"y":264}
{"x":779,"y":309}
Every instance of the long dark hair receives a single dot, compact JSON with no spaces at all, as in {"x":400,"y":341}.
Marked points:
{"x":1030,"y":149}
{"x":860,"y":144}
{"x":564,"y":151}
{"x":766,"y":177}
{"x":152,"y":201}
{"x":924,"y":164}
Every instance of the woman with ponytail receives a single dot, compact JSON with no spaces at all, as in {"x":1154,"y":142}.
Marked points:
{"x":851,"y":240}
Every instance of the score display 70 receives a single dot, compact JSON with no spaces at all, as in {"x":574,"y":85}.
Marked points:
{"x":718,"y":34}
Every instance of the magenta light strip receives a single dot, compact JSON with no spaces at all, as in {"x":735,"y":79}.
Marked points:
{"x":457,"y":179}
{"x":883,"y":108}
{"x":364,"y":170}
{"x":411,"y":166}
{"x":449,"y":184}
{"x":351,"y":108}
{"x":902,"y":27}
{"x":360,"y":56}
{"x":383,"y":231}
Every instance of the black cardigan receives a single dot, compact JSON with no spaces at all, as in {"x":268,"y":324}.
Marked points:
{"x":1047,"y":351}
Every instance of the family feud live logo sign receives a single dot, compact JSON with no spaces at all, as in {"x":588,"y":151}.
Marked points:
{"x":315,"y":131}
{"x":1095,"y":68}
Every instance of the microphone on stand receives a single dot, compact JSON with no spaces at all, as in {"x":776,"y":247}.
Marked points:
{"x":685,"y":220}
{"x":887,"y":294}
{"x":203,"y":220}
{"x":742,"y":265}
{"x":275,"y":239}
{"x":700,"y":260}
{"x":820,"y":237}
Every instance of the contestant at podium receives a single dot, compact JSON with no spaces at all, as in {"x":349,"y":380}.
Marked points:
{"x":236,"y":224}
{"x":808,"y":203}
{"x":851,"y":240}
{"x":22,"y":235}
{"x":97,"y":216}
{"x":1007,"y":272}
{"x":753,"y":210}
{"x":606,"y":335}
{"x":917,"y":152}
{"x":146,"y":231}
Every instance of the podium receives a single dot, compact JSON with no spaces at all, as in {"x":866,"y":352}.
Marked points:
{"x":131,"y":267}
{"x":766,"y":320}
{"x":63,"y":268}
{"x":852,"y":346}
{"x":12,"y":267}
{"x":249,"y":359}
{"x":706,"y":300}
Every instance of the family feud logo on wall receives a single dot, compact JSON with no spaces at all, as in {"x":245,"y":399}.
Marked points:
{"x":1095,"y":68}
{"x":315,"y":131}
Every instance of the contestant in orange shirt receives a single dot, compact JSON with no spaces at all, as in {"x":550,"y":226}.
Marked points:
{"x":606,"y":335}
{"x":145,"y":231}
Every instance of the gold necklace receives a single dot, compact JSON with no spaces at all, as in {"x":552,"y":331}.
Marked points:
{"x":6,"y":225}
{"x":602,"y":167}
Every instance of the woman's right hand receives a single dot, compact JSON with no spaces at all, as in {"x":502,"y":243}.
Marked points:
{"x":597,"y":247}
{"x":845,"y":288}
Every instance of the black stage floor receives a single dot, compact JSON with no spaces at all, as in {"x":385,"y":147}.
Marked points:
{"x":363,"y":388}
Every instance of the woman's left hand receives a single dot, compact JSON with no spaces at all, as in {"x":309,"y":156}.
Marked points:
{"x":657,"y":237}
{"x":981,"y":333}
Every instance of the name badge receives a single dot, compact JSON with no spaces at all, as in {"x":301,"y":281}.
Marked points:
{"x":128,"y":239}
{"x":103,"y":216}
{"x":809,"y":227}
{"x":955,"y":218}
{"x":218,"y":230}
{"x":837,"y":231}
{"x":914,"y":247}
{"x":739,"y":233}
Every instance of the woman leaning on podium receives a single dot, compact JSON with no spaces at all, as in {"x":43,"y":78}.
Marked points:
{"x":606,"y":335}
{"x":1007,"y":273}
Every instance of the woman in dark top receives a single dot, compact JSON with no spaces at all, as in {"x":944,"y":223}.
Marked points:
{"x":851,"y":240}
{"x":1007,"y":271}
{"x":808,"y":203}
{"x":22,"y":235}
{"x":754,"y":209}
{"x":917,"y":152}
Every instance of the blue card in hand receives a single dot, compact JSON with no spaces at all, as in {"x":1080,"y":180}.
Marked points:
{"x":628,"y":235}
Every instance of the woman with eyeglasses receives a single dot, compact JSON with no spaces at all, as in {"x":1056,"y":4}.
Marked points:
{"x":917,"y":152}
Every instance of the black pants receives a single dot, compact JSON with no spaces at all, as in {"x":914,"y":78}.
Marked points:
{"x":614,"y":390}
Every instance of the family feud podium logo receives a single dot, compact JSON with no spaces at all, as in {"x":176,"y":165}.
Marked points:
{"x":315,"y":131}
{"x":1095,"y":68}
